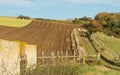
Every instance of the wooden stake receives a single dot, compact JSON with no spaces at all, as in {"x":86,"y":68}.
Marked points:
{"x":62,"y":55}
{"x":66,"y":56}
{"x":74,"y":57}
{"x":57,"y":56}
{"x":98,"y":56}
{"x":43,"y":57}
{"x":53,"y":56}
{"x":83,"y":58}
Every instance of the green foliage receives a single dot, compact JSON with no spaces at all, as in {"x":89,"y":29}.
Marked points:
{"x":82,"y":21}
{"x":94,"y":26}
{"x":72,"y":69}
{"x":60,"y":69}
{"x":23,"y":17}
{"x":87,"y":69}
{"x":76,"y":21}
{"x":57,"y":69}
{"x":85,"y":18}
{"x":110,"y":23}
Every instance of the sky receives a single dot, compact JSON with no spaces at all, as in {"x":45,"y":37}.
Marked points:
{"x":57,"y":9}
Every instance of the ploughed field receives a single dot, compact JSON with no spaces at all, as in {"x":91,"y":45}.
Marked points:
{"x":48,"y":36}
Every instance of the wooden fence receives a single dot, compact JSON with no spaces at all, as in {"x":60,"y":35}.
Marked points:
{"x":67,"y":58}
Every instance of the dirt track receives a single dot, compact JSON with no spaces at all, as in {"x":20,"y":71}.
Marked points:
{"x":47,"y":36}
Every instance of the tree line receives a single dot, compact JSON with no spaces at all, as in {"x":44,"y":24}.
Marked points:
{"x":23,"y":17}
{"x":109,"y":23}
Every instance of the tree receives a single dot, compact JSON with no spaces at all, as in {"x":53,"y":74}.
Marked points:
{"x":23,"y":17}
{"x":85,"y":18}
{"x":110,"y":22}
{"x":26,"y":17}
{"x":76,"y":20}
{"x":20,"y":17}
{"x":94,"y":26}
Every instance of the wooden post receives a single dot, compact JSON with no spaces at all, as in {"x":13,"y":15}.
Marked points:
{"x":62,"y":55}
{"x":98,"y":56}
{"x":43,"y":57}
{"x":53,"y":57}
{"x":83,"y":58}
{"x":74,"y":57}
{"x":80,"y":55}
{"x":66,"y":56}
{"x":57,"y":56}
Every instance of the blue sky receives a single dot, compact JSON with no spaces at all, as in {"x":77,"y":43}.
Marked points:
{"x":57,"y":9}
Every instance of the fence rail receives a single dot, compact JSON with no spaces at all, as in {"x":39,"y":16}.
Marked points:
{"x":68,"y":57}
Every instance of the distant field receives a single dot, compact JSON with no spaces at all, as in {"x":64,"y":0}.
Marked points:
{"x":111,"y":43}
{"x":13,"y":22}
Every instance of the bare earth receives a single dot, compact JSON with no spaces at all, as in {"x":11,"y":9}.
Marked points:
{"x":48,"y":36}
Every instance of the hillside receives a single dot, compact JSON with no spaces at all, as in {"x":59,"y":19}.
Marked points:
{"x":55,"y":36}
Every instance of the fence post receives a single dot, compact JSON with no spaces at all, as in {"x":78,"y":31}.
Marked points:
{"x":98,"y":56}
{"x":53,"y":57}
{"x":83,"y":58}
{"x":62,"y":55}
{"x":43,"y":57}
{"x":66,"y":56}
{"x":58,"y":56}
{"x":74,"y":57}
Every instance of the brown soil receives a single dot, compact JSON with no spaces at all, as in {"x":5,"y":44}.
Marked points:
{"x":48,"y":36}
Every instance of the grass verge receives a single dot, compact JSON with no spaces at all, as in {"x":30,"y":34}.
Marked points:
{"x":73,"y":69}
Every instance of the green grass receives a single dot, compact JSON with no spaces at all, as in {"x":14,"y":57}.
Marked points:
{"x":111,"y":43}
{"x":73,"y":69}
{"x":13,"y":22}
{"x":88,"y":46}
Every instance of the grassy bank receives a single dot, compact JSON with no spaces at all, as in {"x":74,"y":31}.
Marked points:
{"x":109,"y":47}
{"x":13,"y":22}
{"x":110,"y":43}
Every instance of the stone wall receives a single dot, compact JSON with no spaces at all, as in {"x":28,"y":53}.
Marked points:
{"x":9,"y":57}
{"x":11,"y":54}
{"x":31,"y":53}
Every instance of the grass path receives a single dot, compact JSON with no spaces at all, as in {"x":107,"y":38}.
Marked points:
{"x":88,"y":45}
